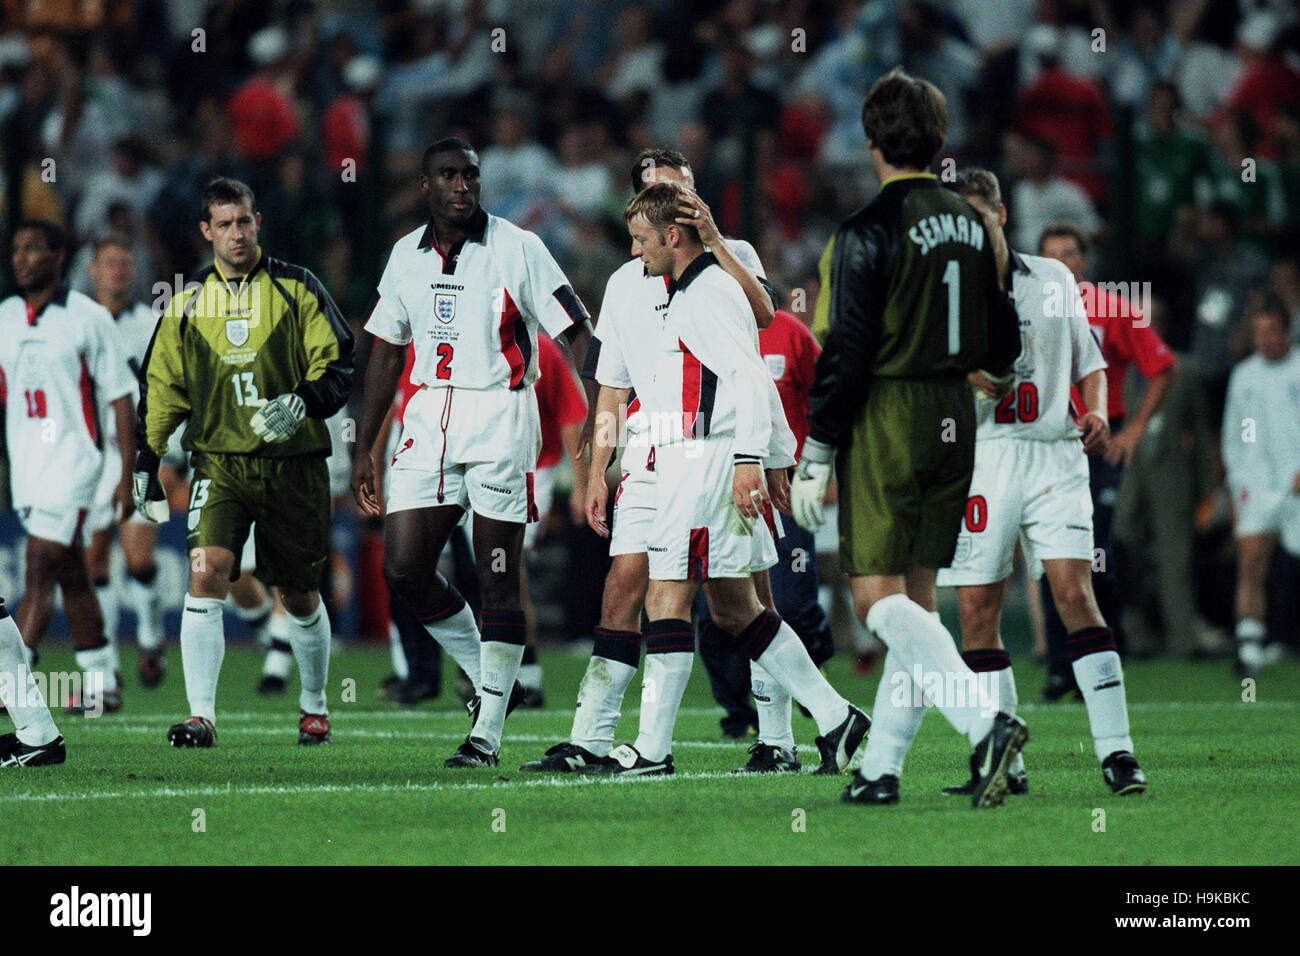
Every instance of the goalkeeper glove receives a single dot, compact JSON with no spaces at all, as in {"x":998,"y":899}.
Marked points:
{"x":278,"y":419}
{"x":811,"y":476}
{"x":146,"y":489}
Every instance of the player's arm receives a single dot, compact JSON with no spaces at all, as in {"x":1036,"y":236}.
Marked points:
{"x":1094,"y":424}
{"x":1232,"y":447}
{"x":327,"y":382}
{"x":1157,"y":363}
{"x":854,"y":280}
{"x":546,"y":293}
{"x":573,"y":420}
{"x":164,"y":405}
{"x":383,"y":373}
{"x":713,"y":336}
{"x":759,"y":294}
{"x":1004,"y":324}
{"x":608,"y":411}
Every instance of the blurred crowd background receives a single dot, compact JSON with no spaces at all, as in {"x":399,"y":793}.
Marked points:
{"x":1168,"y":130}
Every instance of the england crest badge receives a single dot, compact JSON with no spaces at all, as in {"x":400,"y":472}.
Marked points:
{"x":444,"y":306}
{"x":236,"y":331}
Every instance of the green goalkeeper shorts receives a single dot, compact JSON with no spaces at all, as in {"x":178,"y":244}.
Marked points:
{"x":904,"y":475}
{"x":285,"y":500}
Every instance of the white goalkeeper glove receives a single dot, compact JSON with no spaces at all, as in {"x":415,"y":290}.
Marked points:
{"x":147,"y":491}
{"x":811,"y":476}
{"x":278,"y":419}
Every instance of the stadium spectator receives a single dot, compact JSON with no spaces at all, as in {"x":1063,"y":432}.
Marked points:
{"x":263,"y":119}
{"x":1040,"y":197}
{"x":1171,"y":161}
{"x":1068,"y":111}
{"x":1269,"y":82}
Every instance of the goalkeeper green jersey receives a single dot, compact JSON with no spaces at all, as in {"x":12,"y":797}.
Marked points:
{"x":223,"y":348}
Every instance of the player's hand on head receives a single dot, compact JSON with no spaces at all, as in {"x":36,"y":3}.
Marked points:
{"x":778,"y":486}
{"x":1095,"y":433}
{"x":693,"y":212}
{"x":808,"y":490}
{"x":278,"y":419}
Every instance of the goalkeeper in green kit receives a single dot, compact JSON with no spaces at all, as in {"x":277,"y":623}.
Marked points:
{"x":251,"y":357}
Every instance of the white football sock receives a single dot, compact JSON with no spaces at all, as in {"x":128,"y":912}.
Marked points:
{"x":895,"y":720}
{"x":600,"y":695}
{"x":310,"y":639}
{"x":19,"y":692}
{"x":203,"y":645}
{"x":663,"y":684}
{"x":110,"y":607}
{"x":500,"y":667}
{"x":99,"y":674}
{"x":1007,"y":701}
{"x":397,"y":653}
{"x":787,"y":660}
{"x":530,"y":676}
{"x":923,"y":646}
{"x":772,"y":701}
{"x":259,"y":619}
{"x":148,"y":612}
{"x":459,"y":637}
{"x":1101,"y":680}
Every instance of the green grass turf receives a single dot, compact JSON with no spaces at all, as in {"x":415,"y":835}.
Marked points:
{"x":1224,"y":780}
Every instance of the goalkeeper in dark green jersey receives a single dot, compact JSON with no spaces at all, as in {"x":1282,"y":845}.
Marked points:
{"x":912,"y":313}
{"x":252,"y":357}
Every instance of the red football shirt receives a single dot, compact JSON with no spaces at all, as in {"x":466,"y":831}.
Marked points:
{"x":1125,"y":339}
{"x":560,"y":400}
{"x":790,"y":352}
{"x":262,"y":120}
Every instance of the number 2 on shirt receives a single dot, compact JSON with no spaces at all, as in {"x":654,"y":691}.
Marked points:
{"x":445,"y":352}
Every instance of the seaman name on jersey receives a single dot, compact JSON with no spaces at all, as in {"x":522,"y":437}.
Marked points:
{"x":945,"y":227}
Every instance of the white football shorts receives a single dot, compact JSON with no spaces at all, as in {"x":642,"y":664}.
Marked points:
{"x":698,"y":533}
{"x":60,"y":525}
{"x":476,"y":448}
{"x":1268,"y":511}
{"x":1035,"y":492}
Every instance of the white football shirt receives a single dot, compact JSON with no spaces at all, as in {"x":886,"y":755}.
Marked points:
{"x":59,"y":368}
{"x":628,"y":335}
{"x":1261,"y":423}
{"x":1057,"y":350}
{"x":473,"y":313}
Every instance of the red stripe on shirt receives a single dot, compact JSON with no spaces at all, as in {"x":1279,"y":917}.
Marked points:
{"x":509,"y":343}
{"x":88,"y":401}
{"x":690,"y":390}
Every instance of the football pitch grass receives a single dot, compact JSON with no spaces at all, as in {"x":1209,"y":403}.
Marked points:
{"x":1225,"y":783}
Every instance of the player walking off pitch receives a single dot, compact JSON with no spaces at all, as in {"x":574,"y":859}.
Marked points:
{"x":470,"y":290}
{"x":910,"y":305}
{"x":253,"y":356}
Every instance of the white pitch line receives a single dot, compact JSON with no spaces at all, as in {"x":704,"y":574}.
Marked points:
{"x":510,"y":738}
{"x":343,"y":712}
{"x":162,"y":793}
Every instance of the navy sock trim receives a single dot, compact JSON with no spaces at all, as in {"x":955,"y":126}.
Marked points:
{"x":444,"y":607}
{"x":280,"y":644}
{"x":1090,"y":640}
{"x":530,"y":656}
{"x":145,"y":577}
{"x":103,"y":582}
{"x":669,"y":636}
{"x":621,"y":646}
{"x":759,"y":633}
{"x":989,"y":659}
{"x":503,"y":626}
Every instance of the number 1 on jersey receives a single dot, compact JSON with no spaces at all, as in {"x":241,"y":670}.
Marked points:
{"x":952,"y":279}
